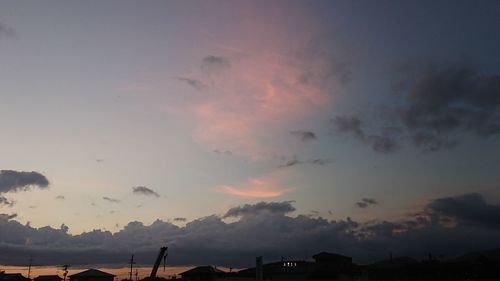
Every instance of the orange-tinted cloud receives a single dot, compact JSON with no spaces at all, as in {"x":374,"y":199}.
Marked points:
{"x":255,"y":188}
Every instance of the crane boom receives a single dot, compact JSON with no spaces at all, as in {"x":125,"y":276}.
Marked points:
{"x":161,"y":254}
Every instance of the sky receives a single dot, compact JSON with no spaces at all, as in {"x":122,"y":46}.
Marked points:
{"x":245,"y":128}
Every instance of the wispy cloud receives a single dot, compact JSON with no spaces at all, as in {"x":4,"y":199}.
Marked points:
{"x":142,"y":190}
{"x":315,"y":162}
{"x":304,"y":135}
{"x":255,"y":188}
{"x":366,"y":202}
{"x":215,"y":64}
{"x":257,"y":95}
{"x":386,"y":141}
{"x":225,"y":152}
{"x":112,"y":200}
{"x":196,"y":84}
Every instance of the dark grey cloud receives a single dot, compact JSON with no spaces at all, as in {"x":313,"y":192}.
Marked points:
{"x":438,"y":105}
{"x":348,"y":125}
{"x":469,"y":209}
{"x":361,"y":205}
{"x":271,"y":207}
{"x":265,"y":229}
{"x":215,"y":64}
{"x":196,"y":84}
{"x":365,"y":202}
{"x":13,"y":181}
{"x":180,"y":219}
{"x":370,"y":201}
{"x":142,"y":190}
{"x":383,"y":143}
{"x":294,"y":162}
{"x":109,"y":199}
{"x":387,"y":141}
{"x":304,"y":135}
{"x":319,"y":161}
{"x":442,"y":99}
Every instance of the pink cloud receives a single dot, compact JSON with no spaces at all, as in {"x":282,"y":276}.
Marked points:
{"x":262,"y":82}
{"x":260,"y":95}
{"x":255,"y":188}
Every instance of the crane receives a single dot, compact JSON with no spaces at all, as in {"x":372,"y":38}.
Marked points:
{"x":161,"y":255}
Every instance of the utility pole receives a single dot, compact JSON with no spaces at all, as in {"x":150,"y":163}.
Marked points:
{"x":131,"y":267}
{"x":65,"y":271}
{"x":136,"y":275}
{"x":164,"y":261}
{"x":29,"y":266}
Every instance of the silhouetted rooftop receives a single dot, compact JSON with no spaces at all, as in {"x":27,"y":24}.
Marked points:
{"x":92,"y":273}
{"x":47,"y":277}
{"x":329,"y":256}
{"x":12,"y":277}
{"x":202,"y":270}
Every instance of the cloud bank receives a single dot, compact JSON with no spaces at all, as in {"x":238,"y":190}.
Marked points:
{"x":449,"y":226}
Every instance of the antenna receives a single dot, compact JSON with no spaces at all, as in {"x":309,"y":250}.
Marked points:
{"x":131,"y":267}
{"x":165,"y":260}
{"x":29,"y":266}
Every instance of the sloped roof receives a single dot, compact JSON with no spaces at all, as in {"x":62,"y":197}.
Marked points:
{"x":48,"y":277}
{"x":326,"y":255}
{"x":203,"y":270}
{"x":92,"y":273}
{"x":12,"y":276}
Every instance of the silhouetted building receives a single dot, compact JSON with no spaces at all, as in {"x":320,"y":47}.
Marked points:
{"x":283,"y":270}
{"x":92,"y":275}
{"x":12,"y":277}
{"x":48,"y":278}
{"x":203,"y":273}
{"x":327,"y":266}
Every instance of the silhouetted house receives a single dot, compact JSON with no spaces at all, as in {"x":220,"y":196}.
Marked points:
{"x":333,"y":266}
{"x":48,"y":278}
{"x":92,"y":275}
{"x":283,"y":270}
{"x":331,"y":259}
{"x":12,"y":277}
{"x":327,"y":266}
{"x":203,"y":273}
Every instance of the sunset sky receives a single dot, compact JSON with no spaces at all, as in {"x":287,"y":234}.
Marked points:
{"x":345,"y":126}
